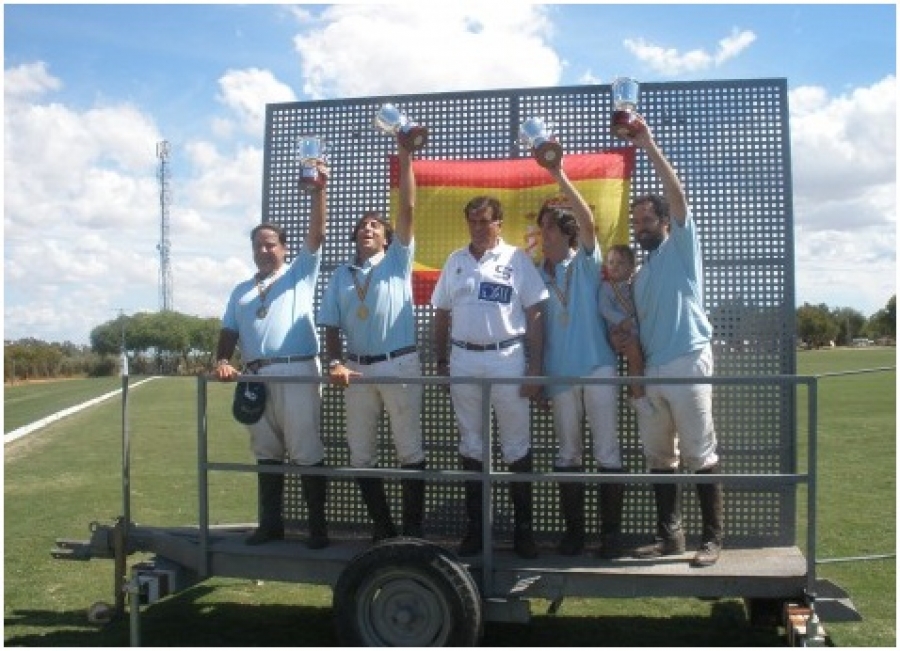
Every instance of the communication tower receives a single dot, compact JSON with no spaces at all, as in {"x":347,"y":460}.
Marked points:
{"x":164,"y":246}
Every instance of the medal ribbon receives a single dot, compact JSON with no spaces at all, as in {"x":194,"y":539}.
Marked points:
{"x":561,"y":295}
{"x":264,"y":289}
{"x":361,"y":291}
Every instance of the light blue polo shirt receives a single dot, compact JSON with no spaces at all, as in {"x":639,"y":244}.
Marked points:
{"x":288,"y":327}
{"x":390,"y":322}
{"x":579,"y":346}
{"x":668,"y":297}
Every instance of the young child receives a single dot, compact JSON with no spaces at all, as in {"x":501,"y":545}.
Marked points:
{"x":617,"y":305}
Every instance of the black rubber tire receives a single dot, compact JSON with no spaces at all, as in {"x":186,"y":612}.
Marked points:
{"x":407,"y":592}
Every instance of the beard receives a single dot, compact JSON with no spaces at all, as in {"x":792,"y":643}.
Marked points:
{"x":650,"y":241}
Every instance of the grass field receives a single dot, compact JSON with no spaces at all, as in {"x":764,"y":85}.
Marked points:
{"x":26,"y":402}
{"x":60,"y":479}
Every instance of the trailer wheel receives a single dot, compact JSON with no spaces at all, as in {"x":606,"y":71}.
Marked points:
{"x":101,"y":613}
{"x":407,"y":592}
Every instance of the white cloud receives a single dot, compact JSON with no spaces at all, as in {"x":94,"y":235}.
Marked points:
{"x":82,"y":209}
{"x":845,"y":194}
{"x":28,"y":81}
{"x":246,"y":92}
{"x":672,"y":63}
{"x":81,"y":203}
{"x":361,"y":50}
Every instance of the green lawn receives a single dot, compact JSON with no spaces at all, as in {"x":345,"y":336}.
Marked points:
{"x":26,"y":402}
{"x":62,"y":478}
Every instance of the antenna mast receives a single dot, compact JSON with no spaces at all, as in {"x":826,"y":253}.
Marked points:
{"x":164,"y":246}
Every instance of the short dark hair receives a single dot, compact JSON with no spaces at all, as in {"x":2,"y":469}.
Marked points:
{"x":660,"y":205}
{"x":625,"y":250}
{"x":377,"y":216}
{"x":269,"y":226}
{"x":479,"y":202}
{"x":560,"y":211}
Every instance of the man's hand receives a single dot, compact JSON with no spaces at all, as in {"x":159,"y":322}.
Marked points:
{"x":340,"y":375}
{"x":625,"y":342}
{"x":531,"y":391}
{"x":641,"y":133}
{"x":225,"y":372}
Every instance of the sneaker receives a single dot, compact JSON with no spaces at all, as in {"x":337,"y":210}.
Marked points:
{"x":662,"y":547}
{"x":707,"y":555}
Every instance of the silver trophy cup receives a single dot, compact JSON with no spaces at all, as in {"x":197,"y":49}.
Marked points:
{"x":625,"y":92}
{"x":392,"y":121}
{"x":310,"y":151}
{"x":536,"y":134}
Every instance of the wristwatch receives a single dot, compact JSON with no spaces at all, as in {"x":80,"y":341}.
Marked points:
{"x":334,"y":363}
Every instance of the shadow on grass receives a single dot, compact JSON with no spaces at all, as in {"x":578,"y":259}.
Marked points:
{"x":185,"y":620}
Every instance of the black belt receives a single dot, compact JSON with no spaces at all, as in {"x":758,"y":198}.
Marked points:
{"x":257,"y":364}
{"x":374,"y":359}
{"x":506,"y":343}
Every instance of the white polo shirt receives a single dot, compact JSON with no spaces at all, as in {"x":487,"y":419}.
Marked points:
{"x":488,"y":297}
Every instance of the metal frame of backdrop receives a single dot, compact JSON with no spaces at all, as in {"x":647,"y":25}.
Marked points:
{"x":728,"y":140}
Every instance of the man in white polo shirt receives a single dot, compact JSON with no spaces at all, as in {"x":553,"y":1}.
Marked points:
{"x":488,"y":323}
{"x":270,"y":316}
{"x":576,"y":346}
{"x":370,"y":299}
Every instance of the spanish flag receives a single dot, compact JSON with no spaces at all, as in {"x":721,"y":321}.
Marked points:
{"x":445,"y":186}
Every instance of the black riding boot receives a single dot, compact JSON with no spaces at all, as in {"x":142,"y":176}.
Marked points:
{"x":413,"y":494}
{"x":520,"y":493}
{"x":712,"y":511}
{"x":372,"y":490}
{"x":612,"y":499}
{"x":315,"y":492}
{"x":669,"y":539}
{"x":471,"y":542}
{"x":271,"y":495}
{"x":571,"y":502}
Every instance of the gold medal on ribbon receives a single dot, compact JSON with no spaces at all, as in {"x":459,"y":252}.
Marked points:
{"x":262,"y":312}
{"x":362,"y":311}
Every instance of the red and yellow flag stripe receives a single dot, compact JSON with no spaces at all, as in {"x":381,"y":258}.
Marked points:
{"x":521,"y":185}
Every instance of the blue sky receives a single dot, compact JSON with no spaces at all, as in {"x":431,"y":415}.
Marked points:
{"x":90,"y":89}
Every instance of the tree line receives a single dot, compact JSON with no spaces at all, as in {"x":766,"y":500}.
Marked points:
{"x":171,"y":343}
{"x":155,"y":343}
{"x":819,"y":325}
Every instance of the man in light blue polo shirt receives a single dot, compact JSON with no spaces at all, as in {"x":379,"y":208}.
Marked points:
{"x":270,"y":317}
{"x":675,"y":421}
{"x":370,"y":299}
{"x":575,"y":344}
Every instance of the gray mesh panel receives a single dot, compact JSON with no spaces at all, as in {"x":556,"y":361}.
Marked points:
{"x":729,"y":142}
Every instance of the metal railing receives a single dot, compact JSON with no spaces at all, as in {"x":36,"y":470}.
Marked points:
{"x":489,"y":475}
